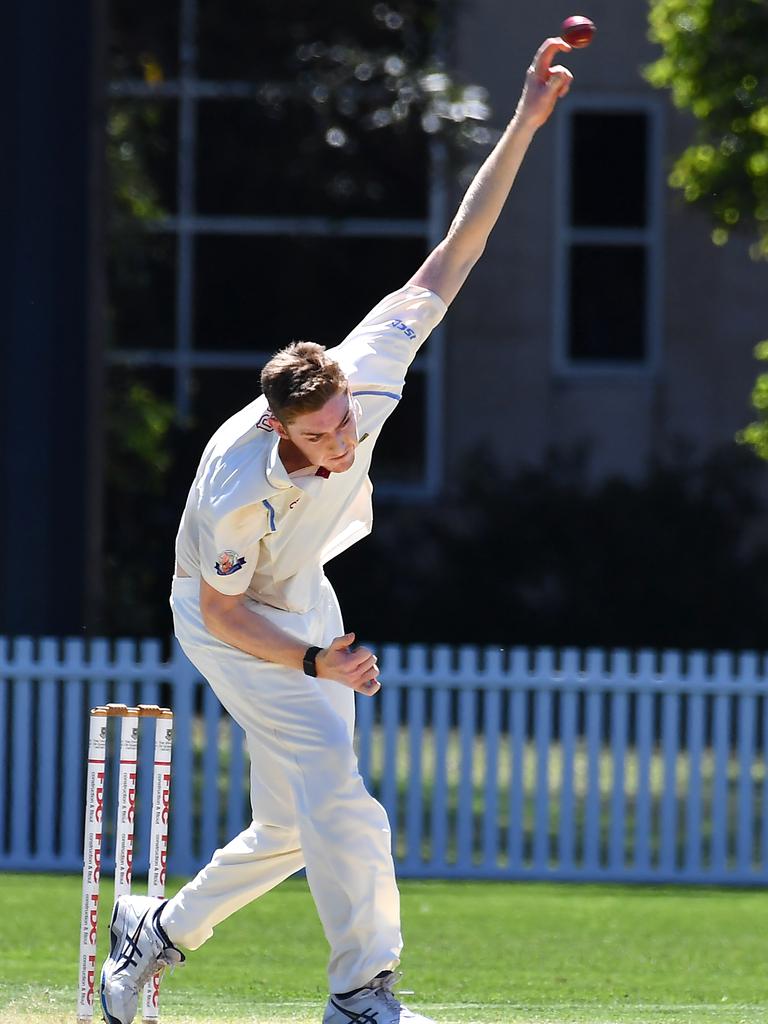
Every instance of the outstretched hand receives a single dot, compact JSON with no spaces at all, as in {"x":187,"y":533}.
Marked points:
{"x":544,"y":84}
{"x":355,"y":667}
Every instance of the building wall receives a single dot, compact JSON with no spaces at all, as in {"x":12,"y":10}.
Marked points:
{"x":514,"y":402}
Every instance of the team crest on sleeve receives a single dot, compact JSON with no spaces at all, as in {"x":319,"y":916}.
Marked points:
{"x":228,"y":562}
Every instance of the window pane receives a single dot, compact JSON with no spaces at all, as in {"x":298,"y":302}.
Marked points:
{"x":141,"y":278}
{"x":217,"y":395}
{"x":141,"y":151}
{"x":261,"y":293}
{"x":143,"y":498}
{"x":607,"y":303}
{"x":143,"y":39}
{"x":250,"y":39}
{"x":401,"y":449}
{"x":608,"y":169}
{"x":256,"y":159}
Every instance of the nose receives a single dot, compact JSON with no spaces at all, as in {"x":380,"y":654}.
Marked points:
{"x":342,"y":442}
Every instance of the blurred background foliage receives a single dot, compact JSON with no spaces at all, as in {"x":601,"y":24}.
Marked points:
{"x":550,"y":557}
{"x":755,"y":434}
{"x":714,"y":61}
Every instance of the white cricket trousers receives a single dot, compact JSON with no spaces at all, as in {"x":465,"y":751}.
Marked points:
{"x":310,"y":806}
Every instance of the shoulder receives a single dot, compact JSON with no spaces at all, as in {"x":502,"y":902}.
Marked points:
{"x":402,"y":310}
{"x":399,"y":323}
{"x":410,"y":297}
{"x":233,"y":474}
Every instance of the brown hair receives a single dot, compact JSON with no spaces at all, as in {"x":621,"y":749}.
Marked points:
{"x":300,"y":378}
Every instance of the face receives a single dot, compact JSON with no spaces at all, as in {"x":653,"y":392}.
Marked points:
{"x":326,"y":437}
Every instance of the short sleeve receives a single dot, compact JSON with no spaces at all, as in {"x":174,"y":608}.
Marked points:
{"x":377,"y":353}
{"x":229,"y":547}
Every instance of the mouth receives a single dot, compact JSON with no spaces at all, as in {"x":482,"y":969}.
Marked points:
{"x":342,"y":461}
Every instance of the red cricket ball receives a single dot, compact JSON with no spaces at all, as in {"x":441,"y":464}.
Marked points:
{"x":577,"y":31}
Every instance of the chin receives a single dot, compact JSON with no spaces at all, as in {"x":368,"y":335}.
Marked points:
{"x":342,"y":465}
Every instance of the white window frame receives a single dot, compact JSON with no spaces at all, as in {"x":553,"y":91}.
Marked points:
{"x":186,"y":225}
{"x":651,"y":236}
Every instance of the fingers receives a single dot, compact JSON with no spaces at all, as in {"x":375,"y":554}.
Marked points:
{"x":546,"y":54}
{"x":362,"y":671}
{"x":560,"y":80}
{"x":364,"y":679}
{"x":356,"y":667}
{"x":361,"y":660}
{"x":354,"y":659}
{"x":340,"y":642}
{"x":369,"y":687}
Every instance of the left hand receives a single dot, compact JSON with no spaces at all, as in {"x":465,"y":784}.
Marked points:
{"x":544,"y":85}
{"x":352,"y":666}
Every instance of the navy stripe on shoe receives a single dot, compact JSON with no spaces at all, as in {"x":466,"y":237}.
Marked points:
{"x":366,"y":1017}
{"x":159,"y":928}
{"x":126,"y":958}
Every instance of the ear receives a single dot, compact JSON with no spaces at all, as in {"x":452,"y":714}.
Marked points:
{"x":277,"y":426}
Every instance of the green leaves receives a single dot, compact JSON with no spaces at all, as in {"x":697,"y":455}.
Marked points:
{"x":714,"y":61}
{"x":755,"y":434}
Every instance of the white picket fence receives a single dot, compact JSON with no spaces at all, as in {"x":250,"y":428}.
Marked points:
{"x":513,"y":764}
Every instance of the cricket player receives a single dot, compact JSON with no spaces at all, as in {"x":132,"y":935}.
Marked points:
{"x":282,"y":488}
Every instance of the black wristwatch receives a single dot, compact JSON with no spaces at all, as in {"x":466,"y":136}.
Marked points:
{"x":310,"y":661}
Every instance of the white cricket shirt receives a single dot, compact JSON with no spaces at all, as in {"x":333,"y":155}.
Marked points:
{"x":251,"y":528}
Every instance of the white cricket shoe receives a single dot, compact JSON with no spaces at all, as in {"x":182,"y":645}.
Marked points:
{"x":374,"y":1004}
{"x":139,"y":948}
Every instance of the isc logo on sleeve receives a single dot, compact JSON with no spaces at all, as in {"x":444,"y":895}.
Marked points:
{"x":407,"y":331}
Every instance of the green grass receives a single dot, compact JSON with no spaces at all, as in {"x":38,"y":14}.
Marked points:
{"x":475,"y":952}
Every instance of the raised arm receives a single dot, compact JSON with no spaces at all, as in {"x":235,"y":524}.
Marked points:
{"x":447,"y":267}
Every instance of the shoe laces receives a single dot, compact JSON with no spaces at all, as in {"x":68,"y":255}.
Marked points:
{"x":167,"y":957}
{"x":384,"y":987}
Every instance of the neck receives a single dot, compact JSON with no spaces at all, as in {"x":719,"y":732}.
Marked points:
{"x":290,"y":456}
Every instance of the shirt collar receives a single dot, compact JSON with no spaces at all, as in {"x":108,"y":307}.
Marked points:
{"x":276,"y":474}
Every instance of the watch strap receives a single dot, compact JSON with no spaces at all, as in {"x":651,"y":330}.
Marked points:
{"x":310,"y":661}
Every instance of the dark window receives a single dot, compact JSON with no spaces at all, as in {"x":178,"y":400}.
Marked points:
{"x":219,"y":394}
{"x":260,"y":293}
{"x":400,"y":450}
{"x":608,"y":160}
{"x":144,"y":38}
{"x":142,"y":290}
{"x":258,"y":39}
{"x":609,"y":238}
{"x":255,"y":161}
{"x":607,"y":310}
